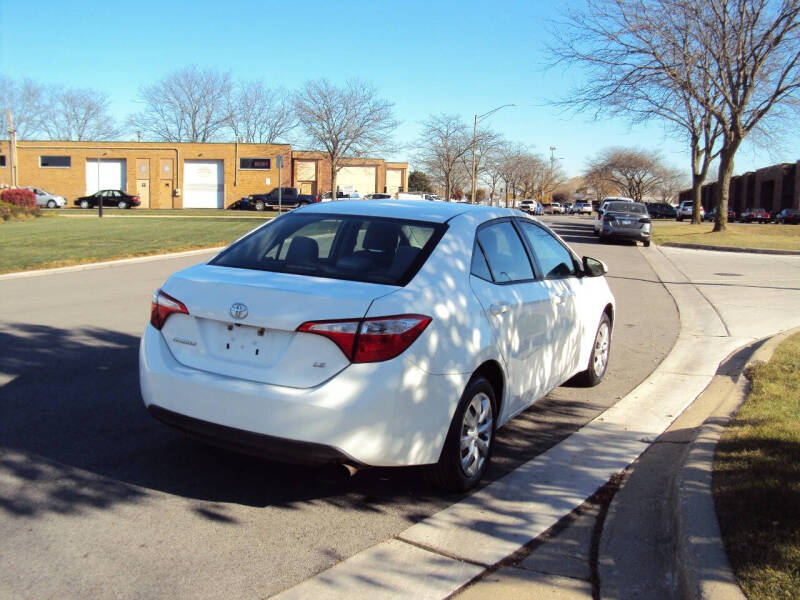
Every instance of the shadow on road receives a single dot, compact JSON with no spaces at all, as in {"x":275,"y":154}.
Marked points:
{"x":74,"y":435}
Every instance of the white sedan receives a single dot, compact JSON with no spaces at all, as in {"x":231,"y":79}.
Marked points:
{"x":45,"y":198}
{"x":381,"y":333}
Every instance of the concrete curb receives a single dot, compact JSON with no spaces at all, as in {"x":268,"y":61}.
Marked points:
{"x":107,"y":263}
{"x":730,"y":249}
{"x":703,"y":570}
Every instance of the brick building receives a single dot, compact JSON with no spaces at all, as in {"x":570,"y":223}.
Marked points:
{"x":772,"y":188}
{"x":184,"y":175}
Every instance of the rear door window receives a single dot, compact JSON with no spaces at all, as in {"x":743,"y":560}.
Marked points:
{"x":505,"y":253}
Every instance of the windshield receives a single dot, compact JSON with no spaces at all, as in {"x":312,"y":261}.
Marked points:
{"x":356,"y":248}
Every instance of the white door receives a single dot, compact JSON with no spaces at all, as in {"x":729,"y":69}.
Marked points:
{"x":520,"y":309}
{"x":203,"y":184}
{"x":361,"y":179}
{"x":111,"y":175}
{"x":394,"y":180}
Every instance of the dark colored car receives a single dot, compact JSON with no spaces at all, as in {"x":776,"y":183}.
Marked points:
{"x":788,"y":216}
{"x":754,"y":214}
{"x":661,"y":210}
{"x":116,"y":198}
{"x":712,"y":214}
{"x":625,"y":221}
{"x":290,"y":198}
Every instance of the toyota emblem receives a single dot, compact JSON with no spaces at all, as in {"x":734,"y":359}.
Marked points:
{"x":238,"y":310}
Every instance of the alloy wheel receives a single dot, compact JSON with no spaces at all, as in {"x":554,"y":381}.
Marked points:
{"x":600,"y":355}
{"x":476,"y":434}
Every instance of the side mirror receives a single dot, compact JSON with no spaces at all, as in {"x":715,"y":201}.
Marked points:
{"x":593,"y":267}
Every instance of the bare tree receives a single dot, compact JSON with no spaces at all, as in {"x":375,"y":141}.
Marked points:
{"x":513,"y":158}
{"x":347,"y":121}
{"x":493,"y":173}
{"x":671,"y":182}
{"x":443,"y":142}
{"x":78,"y":114}
{"x":259,"y":114}
{"x":635,"y":173}
{"x":486,"y":142}
{"x":27,"y":101}
{"x":188,"y":105}
{"x":726,"y":64}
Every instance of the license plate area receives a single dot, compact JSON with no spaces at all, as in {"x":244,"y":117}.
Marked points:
{"x":244,"y":344}
{"x":626,"y":221}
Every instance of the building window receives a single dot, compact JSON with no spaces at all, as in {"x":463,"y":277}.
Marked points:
{"x":2,"y":160}
{"x":260,"y":164}
{"x":60,"y":162}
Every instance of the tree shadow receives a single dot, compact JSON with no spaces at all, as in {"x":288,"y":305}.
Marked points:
{"x":74,"y":436}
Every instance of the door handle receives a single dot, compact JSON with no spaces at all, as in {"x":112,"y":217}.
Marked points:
{"x":498,"y":308}
{"x":560,"y":298}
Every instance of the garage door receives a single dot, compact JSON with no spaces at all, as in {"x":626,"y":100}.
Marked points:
{"x":361,"y":179}
{"x":112,"y":175}
{"x":394,"y":179}
{"x":203,"y":184}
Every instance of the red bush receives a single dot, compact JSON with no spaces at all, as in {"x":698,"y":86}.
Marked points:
{"x":17,"y":197}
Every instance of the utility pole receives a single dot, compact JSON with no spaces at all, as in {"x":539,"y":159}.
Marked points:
{"x":474,"y":171}
{"x":12,"y":152}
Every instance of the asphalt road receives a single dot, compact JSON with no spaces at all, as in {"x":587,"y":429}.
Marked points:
{"x":99,"y":500}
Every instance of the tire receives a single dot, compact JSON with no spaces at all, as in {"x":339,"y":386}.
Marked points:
{"x":598,"y":359}
{"x":51,"y":204}
{"x":259,"y":205}
{"x":679,"y":218}
{"x":122,"y":204}
{"x":646,"y":243}
{"x":85,"y":204}
{"x":474,"y":422}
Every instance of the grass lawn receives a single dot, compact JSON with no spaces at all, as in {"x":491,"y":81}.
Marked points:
{"x":757,"y":480}
{"x":739,"y":235}
{"x":161,"y":212}
{"x":59,"y":241}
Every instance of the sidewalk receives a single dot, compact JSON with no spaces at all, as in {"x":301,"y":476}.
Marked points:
{"x":532,"y":533}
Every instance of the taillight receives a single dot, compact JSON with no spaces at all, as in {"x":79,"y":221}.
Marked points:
{"x":316,"y":198}
{"x":370,"y":340}
{"x":162,"y":307}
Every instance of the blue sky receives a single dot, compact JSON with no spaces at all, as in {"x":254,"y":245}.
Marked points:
{"x":427,"y":57}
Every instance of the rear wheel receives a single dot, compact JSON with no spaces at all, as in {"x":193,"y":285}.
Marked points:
{"x":598,"y":359}
{"x":122,"y":204}
{"x":468,"y":446}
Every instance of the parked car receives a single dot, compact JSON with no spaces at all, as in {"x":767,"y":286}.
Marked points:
{"x":556,"y":208}
{"x":582,"y":208}
{"x":749,"y":215}
{"x":661,"y":210}
{"x":290,"y":198}
{"x":327,"y":196}
{"x":44,"y":198}
{"x":686,"y":210}
{"x":625,"y":221}
{"x":787,"y":216}
{"x":378,"y":196}
{"x":567,"y":208}
{"x":116,"y":198}
{"x":369,"y":368}
{"x":528,"y":206}
{"x":712,"y":215}
{"x":598,"y":220}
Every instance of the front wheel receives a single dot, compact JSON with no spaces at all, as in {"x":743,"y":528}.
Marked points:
{"x":598,"y":358}
{"x":51,"y":204}
{"x":84,"y":204}
{"x":646,"y":243}
{"x":468,"y":447}
{"x":259,"y":205}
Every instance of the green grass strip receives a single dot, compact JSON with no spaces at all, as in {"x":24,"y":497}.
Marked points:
{"x":757,"y":480}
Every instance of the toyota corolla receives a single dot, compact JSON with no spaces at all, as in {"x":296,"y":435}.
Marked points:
{"x":383,"y":333}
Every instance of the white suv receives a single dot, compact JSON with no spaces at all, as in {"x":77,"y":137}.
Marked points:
{"x":686,"y":209}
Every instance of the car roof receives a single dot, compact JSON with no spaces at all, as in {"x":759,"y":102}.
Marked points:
{"x":413,"y":210}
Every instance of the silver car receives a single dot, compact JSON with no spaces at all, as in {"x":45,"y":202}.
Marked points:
{"x":625,"y":221}
{"x":45,"y":198}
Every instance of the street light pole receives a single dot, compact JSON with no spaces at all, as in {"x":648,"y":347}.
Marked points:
{"x":474,"y":172}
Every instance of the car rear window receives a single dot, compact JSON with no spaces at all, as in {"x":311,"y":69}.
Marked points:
{"x":627,"y":207}
{"x":355,"y":248}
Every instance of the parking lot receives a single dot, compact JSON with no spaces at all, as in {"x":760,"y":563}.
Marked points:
{"x":83,"y":466}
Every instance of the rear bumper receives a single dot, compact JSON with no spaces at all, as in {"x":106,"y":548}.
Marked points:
{"x":247,"y":442}
{"x":381,"y":414}
{"x":623,"y":233}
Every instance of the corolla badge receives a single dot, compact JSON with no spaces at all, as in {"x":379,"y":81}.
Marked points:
{"x":238,"y":310}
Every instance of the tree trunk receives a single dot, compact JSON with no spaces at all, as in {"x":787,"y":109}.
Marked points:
{"x":334,"y":195}
{"x":724,"y":184}
{"x":448,"y":189}
{"x":697,"y":190}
